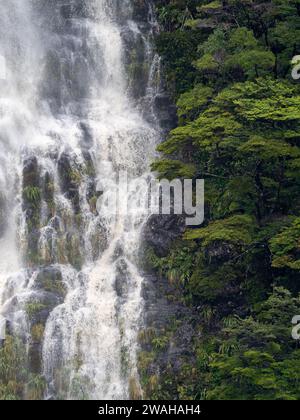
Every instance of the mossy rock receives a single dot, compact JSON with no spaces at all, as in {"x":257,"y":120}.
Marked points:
{"x":33,"y":308}
{"x":32,"y":197}
{"x":37,"y":333}
{"x":70,"y":179}
{"x":50,"y":280}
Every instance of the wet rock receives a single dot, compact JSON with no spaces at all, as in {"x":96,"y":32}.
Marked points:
{"x":48,"y":194}
{"x":40,"y":305}
{"x":73,"y":250}
{"x":161,"y":231}
{"x":136,"y":64}
{"x":166,"y":111}
{"x":49,"y":292}
{"x":92,"y":194}
{"x":53,"y":76}
{"x":69,"y":183}
{"x":48,"y":295}
{"x":77,"y":75}
{"x":4,"y":331}
{"x":32,"y":205}
{"x":48,"y":188}
{"x":119,"y":251}
{"x":50,"y":279}
{"x":66,"y":11}
{"x":30,"y":172}
{"x":158,"y":310}
{"x":122,"y":278}
{"x":221,"y":251}
{"x":140,"y":10}
{"x":31,"y":190}
{"x":38,"y":309}
{"x":2,"y":215}
{"x":160,"y":314}
{"x":99,"y":239}
{"x":35,"y":358}
{"x":55,"y":223}
{"x":74,"y":10}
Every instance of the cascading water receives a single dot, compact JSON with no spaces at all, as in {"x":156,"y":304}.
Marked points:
{"x":76,"y":108}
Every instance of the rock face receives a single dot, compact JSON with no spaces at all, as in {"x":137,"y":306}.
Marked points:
{"x":167,"y":340}
{"x":50,"y":292}
{"x":50,"y":280}
{"x":161,"y":231}
{"x":166,"y":111}
{"x":32,"y":204}
{"x":69,"y":181}
{"x":140,"y":10}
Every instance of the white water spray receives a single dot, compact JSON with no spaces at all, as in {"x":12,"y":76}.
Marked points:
{"x":67,"y":122}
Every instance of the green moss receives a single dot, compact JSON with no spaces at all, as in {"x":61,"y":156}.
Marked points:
{"x":35,"y":387}
{"x":135,"y":391}
{"x":93,"y":204}
{"x":32,"y":194}
{"x":13,"y":372}
{"x":33,"y":308}
{"x":75,"y":176}
{"x":37,"y":333}
{"x":90,"y":169}
{"x":55,"y":286}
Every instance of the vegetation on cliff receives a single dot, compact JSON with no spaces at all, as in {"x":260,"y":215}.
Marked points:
{"x":228,"y":66}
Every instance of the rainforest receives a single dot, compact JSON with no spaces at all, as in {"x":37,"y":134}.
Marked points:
{"x":99,"y":304}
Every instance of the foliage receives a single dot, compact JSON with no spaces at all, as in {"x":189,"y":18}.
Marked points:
{"x":33,"y":308}
{"x":285,"y":247}
{"x":239,"y":129}
{"x":258,"y":358}
{"x":32,"y":194}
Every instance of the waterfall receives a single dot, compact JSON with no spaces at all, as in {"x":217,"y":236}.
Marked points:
{"x":76,"y":108}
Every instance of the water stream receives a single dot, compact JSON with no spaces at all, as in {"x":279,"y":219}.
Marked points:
{"x":76,"y":108}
